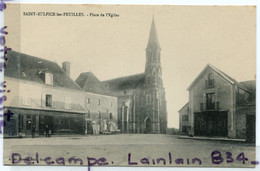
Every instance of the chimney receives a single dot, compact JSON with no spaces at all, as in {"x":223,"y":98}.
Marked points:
{"x":66,"y":67}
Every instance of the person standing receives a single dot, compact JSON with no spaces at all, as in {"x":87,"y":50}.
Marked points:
{"x":33,"y":130}
{"x":47,"y":129}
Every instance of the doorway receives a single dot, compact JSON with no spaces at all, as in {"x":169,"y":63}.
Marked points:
{"x":148,"y":126}
{"x":211,"y":123}
{"x":250,"y":128}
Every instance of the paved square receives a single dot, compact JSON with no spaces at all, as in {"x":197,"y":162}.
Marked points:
{"x":130,"y":149}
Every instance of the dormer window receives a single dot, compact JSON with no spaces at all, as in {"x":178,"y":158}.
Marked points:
{"x":210,"y":81}
{"x":48,"y":78}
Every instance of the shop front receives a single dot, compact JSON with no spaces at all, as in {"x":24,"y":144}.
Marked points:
{"x":25,"y":122}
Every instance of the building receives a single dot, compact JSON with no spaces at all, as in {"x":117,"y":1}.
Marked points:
{"x":100,"y":105}
{"x":184,"y":120}
{"x":141,"y":97}
{"x":219,"y":106}
{"x":41,"y":93}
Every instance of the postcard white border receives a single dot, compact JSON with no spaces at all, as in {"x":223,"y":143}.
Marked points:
{"x":142,"y":2}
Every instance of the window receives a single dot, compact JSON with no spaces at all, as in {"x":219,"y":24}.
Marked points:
{"x":99,"y":115}
{"x":67,"y":102}
{"x":98,"y":101}
{"x":185,"y":118}
{"x":48,"y":100}
{"x":210,"y":81}
{"x":88,"y":100}
{"x":48,"y":79}
{"x":110,"y":115}
{"x":210,"y":101}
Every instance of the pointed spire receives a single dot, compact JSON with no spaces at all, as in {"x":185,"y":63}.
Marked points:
{"x":153,"y":42}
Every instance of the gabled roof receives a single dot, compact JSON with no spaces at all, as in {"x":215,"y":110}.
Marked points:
{"x":90,"y":83}
{"x":125,"y":83}
{"x":220,"y":73}
{"x":30,"y":68}
{"x":184,"y":106}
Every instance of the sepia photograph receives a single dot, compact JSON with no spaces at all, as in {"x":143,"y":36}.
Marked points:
{"x":129,"y":85}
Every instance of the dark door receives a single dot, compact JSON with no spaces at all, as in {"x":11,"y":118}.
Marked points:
{"x":49,"y":122}
{"x":28,"y":126}
{"x":200,"y":128}
{"x":210,"y":123}
{"x":89,"y":128}
{"x":220,"y":126}
{"x":148,"y":126}
{"x":250,"y":128}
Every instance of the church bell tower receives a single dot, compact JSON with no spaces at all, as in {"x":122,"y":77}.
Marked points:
{"x":155,"y":108}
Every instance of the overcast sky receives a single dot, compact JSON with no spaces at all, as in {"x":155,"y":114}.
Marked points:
{"x":190,"y":37}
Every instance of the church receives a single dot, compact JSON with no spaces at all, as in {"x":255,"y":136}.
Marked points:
{"x":141,"y":97}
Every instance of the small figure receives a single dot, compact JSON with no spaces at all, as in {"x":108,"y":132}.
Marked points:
{"x":33,"y":130}
{"x":47,"y":130}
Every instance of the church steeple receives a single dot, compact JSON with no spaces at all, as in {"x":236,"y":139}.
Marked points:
{"x":153,"y":71}
{"x":153,"y":42}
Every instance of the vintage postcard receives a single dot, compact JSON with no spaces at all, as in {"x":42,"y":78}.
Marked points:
{"x":130,"y":85}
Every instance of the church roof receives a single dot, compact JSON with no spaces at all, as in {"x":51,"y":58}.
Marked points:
{"x":153,"y":42}
{"x":90,"y":83}
{"x":125,"y":83}
{"x":30,"y":68}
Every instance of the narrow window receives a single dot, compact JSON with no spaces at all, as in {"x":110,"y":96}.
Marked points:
{"x":48,"y":100}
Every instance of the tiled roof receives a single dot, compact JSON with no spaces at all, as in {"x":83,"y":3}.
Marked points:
{"x":30,"y":68}
{"x":90,"y":83}
{"x":251,"y":86}
{"x":125,"y":83}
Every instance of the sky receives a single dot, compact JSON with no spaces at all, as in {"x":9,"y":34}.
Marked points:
{"x":190,"y":37}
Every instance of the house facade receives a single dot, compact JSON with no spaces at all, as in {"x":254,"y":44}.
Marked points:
{"x":41,"y":93}
{"x":184,"y":119}
{"x":220,"y":106}
{"x":100,"y":105}
{"x":141,"y":97}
